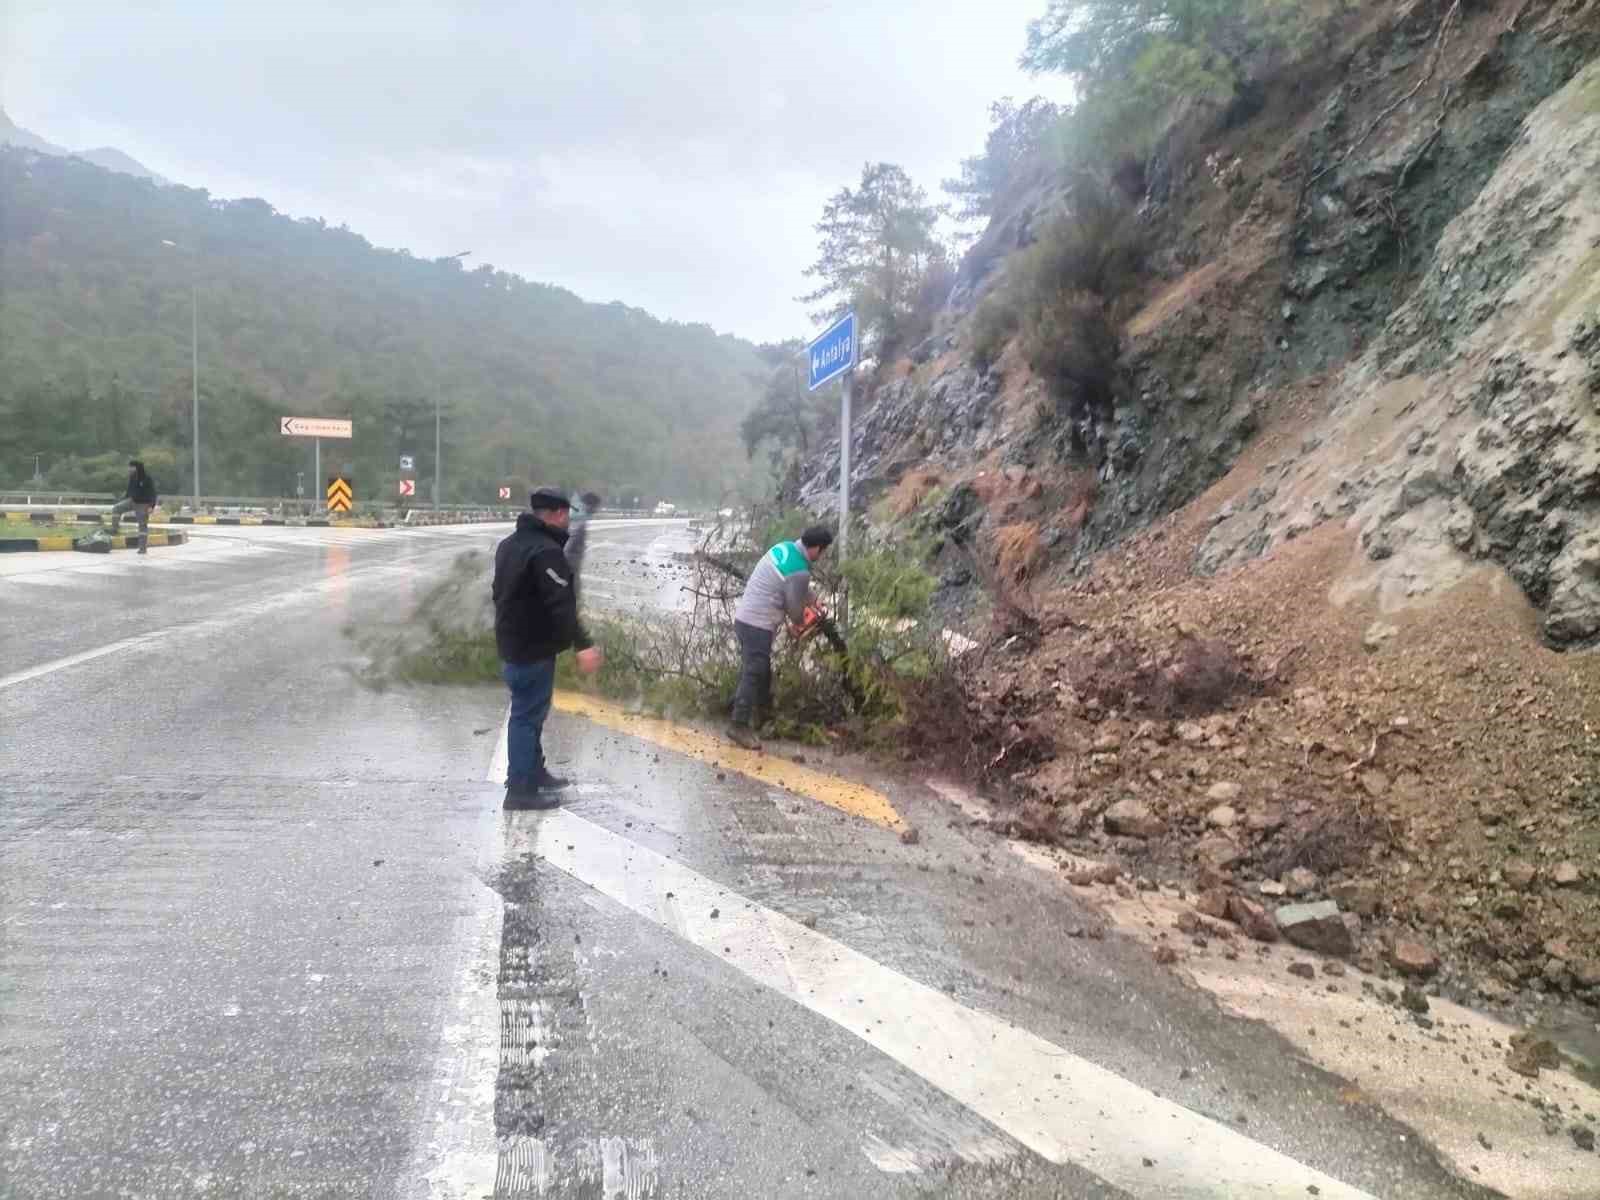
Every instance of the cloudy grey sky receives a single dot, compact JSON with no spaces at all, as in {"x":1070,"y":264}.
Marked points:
{"x":672,"y":155}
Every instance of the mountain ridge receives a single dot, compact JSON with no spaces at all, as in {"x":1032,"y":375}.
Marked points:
{"x":106,"y":157}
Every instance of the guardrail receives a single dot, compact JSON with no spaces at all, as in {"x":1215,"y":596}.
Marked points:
{"x":278,"y":507}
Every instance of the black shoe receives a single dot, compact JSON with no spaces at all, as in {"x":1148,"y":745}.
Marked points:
{"x":743,"y":735}
{"x":546,"y":782}
{"x":521,"y":799}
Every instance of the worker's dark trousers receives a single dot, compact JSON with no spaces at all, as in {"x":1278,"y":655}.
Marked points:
{"x":754,"y":695}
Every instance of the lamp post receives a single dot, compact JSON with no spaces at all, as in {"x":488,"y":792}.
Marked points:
{"x":194,"y":370}
{"x":437,"y":495}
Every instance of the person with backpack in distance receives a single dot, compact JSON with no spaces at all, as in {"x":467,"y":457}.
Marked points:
{"x":139,"y":499}
{"x":578,"y":533}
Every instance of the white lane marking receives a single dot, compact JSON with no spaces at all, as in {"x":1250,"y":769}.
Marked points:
{"x":524,"y":1168}
{"x":500,"y":760}
{"x":1064,"y":1108}
{"x":460,"y":1152}
{"x":459,"y":1143}
{"x":627,"y":1168}
{"x":889,"y":1159}
{"x":73,"y":660}
{"x":935,"y":1135}
{"x":233,"y":616}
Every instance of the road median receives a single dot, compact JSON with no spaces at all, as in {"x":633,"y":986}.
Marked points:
{"x":67,"y":541}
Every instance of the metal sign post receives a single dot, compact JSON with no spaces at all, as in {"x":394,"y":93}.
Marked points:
{"x":316,"y":428}
{"x":830,"y":356}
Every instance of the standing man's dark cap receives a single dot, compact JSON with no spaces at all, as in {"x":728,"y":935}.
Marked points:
{"x":544,"y":499}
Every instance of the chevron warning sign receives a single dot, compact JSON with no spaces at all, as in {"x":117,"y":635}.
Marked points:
{"x":341,"y":495}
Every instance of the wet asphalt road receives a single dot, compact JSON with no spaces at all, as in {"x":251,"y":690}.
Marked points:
{"x":267,"y":934}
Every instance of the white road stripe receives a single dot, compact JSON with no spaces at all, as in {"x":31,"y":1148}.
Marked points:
{"x":244,"y":612}
{"x":1065,"y":1108}
{"x":73,"y":660}
{"x":460,"y":1153}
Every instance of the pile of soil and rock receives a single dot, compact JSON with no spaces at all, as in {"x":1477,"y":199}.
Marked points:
{"x":1440,"y":786}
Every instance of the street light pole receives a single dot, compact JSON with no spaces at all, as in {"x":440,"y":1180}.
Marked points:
{"x":437,"y":450}
{"x":194,"y":369}
{"x":194,"y":375}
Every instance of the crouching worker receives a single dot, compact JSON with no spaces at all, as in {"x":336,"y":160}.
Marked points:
{"x":535,"y":619}
{"x":779,"y":589}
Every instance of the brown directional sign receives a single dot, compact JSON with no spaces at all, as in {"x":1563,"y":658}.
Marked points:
{"x":341,"y":495}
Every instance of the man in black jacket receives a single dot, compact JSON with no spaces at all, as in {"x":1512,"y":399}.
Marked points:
{"x":139,"y":499}
{"x":535,"y":619}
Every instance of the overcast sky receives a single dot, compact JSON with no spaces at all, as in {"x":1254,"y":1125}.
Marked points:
{"x":672,"y":155}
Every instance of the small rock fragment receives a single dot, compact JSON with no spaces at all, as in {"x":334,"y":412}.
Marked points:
{"x":1223,"y":793}
{"x":1252,"y":918}
{"x":1303,"y":970}
{"x":1413,"y":1000}
{"x":1318,"y":927}
{"x":1218,"y":851}
{"x":1529,"y":1054}
{"x":1582,"y":1137}
{"x":1377,"y":634}
{"x":910,"y":836}
{"x":1094,"y":873}
{"x":1566,"y":874}
{"x":1300,"y":881}
{"x":1223,"y":816}
{"x":1357,"y":895}
{"x":1414,"y":958}
{"x":1519,"y":873}
{"x":1132,"y":818}
{"x":1166,"y":955}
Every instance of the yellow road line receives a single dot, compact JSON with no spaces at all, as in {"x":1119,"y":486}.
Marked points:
{"x":843,"y":794}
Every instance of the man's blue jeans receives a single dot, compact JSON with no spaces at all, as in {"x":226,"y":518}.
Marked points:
{"x":532,"y":686}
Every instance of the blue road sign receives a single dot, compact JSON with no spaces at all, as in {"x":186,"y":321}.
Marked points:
{"x":834,"y":352}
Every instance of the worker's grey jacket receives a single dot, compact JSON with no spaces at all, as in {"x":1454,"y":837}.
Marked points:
{"x":779,"y":587}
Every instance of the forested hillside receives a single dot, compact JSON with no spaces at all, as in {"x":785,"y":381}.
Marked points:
{"x":297,"y":317}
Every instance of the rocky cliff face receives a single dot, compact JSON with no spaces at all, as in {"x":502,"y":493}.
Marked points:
{"x":1471,"y":427}
{"x":1400,"y":241}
